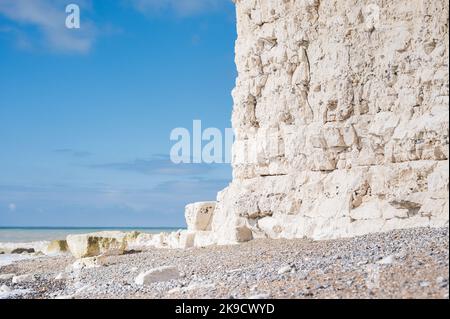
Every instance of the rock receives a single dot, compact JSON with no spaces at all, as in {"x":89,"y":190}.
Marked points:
{"x":284,"y":270}
{"x":441,"y":281}
{"x":187,"y":239}
{"x":20,"y":248}
{"x":23,"y":279}
{"x":204,"y":239}
{"x":146,"y":241}
{"x":101,"y":243}
{"x":23,"y":251}
{"x":388,"y":260}
{"x":86,"y":263}
{"x":57,"y":247}
{"x":199,"y":215}
{"x":61,"y":276}
{"x":5,"y":289}
{"x":165,"y":273}
{"x":6,"y":276}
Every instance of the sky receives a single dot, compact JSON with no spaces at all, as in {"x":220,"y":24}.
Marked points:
{"x":86,"y":114}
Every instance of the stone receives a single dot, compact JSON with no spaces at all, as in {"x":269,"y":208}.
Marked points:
{"x":86,"y":263}
{"x":204,"y":239}
{"x":5,"y":289}
{"x":187,"y":239}
{"x":198,"y":216}
{"x":23,"y":279}
{"x":23,"y":251}
{"x":61,"y":276}
{"x":388,"y":260}
{"x":19,"y":248}
{"x":56,"y":247}
{"x":146,"y":241}
{"x":284,"y":270}
{"x":101,"y":243}
{"x":159,"y":274}
{"x":6,"y":276}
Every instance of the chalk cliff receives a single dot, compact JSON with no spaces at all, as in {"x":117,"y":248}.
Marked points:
{"x":341,"y":119}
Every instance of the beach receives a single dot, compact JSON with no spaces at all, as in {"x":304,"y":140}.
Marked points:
{"x":410,"y":263}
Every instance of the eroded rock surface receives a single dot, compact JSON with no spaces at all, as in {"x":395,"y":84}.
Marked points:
{"x":100,"y":243}
{"x":341,"y":119}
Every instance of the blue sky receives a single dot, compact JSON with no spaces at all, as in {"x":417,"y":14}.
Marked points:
{"x":86,"y":115}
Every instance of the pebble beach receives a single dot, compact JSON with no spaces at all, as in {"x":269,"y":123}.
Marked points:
{"x":400,"y":264}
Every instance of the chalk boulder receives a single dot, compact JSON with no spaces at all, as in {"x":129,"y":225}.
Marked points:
{"x":199,"y":216}
{"x":100,"y":243}
{"x":165,"y":273}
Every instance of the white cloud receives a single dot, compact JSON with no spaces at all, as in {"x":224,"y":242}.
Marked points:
{"x":48,"y":17}
{"x":180,"y":7}
{"x":12,"y":207}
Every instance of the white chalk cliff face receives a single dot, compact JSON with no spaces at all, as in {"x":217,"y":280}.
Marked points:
{"x":341,"y":118}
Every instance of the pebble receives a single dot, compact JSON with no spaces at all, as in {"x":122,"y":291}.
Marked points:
{"x":388,"y":260}
{"x":61,"y":276}
{"x":164,"y":273}
{"x":440,"y":280}
{"x":23,"y":279}
{"x":284,"y":270}
{"x":5,"y":288}
{"x":7,"y":276}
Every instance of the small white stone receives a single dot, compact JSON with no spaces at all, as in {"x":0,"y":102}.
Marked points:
{"x":284,"y":270}
{"x":440,"y":279}
{"x":388,"y":260}
{"x":5,"y":288}
{"x":84,"y":263}
{"x":165,"y":273}
{"x":61,"y":276}
{"x":6,"y":276}
{"x":23,"y":279}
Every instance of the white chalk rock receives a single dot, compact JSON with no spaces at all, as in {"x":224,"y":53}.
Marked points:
{"x":165,"y":273}
{"x":388,"y":260}
{"x":61,"y":276}
{"x":23,"y":279}
{"x":101,"y":243}
{"x":199,"y":216}
{"x":6,"y":276}
{"x":5,"y":289}
{"x":56,"y":247}
{"x":204,"y":239}
{"x":284,"y":270}
{"x":86,"y":263}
